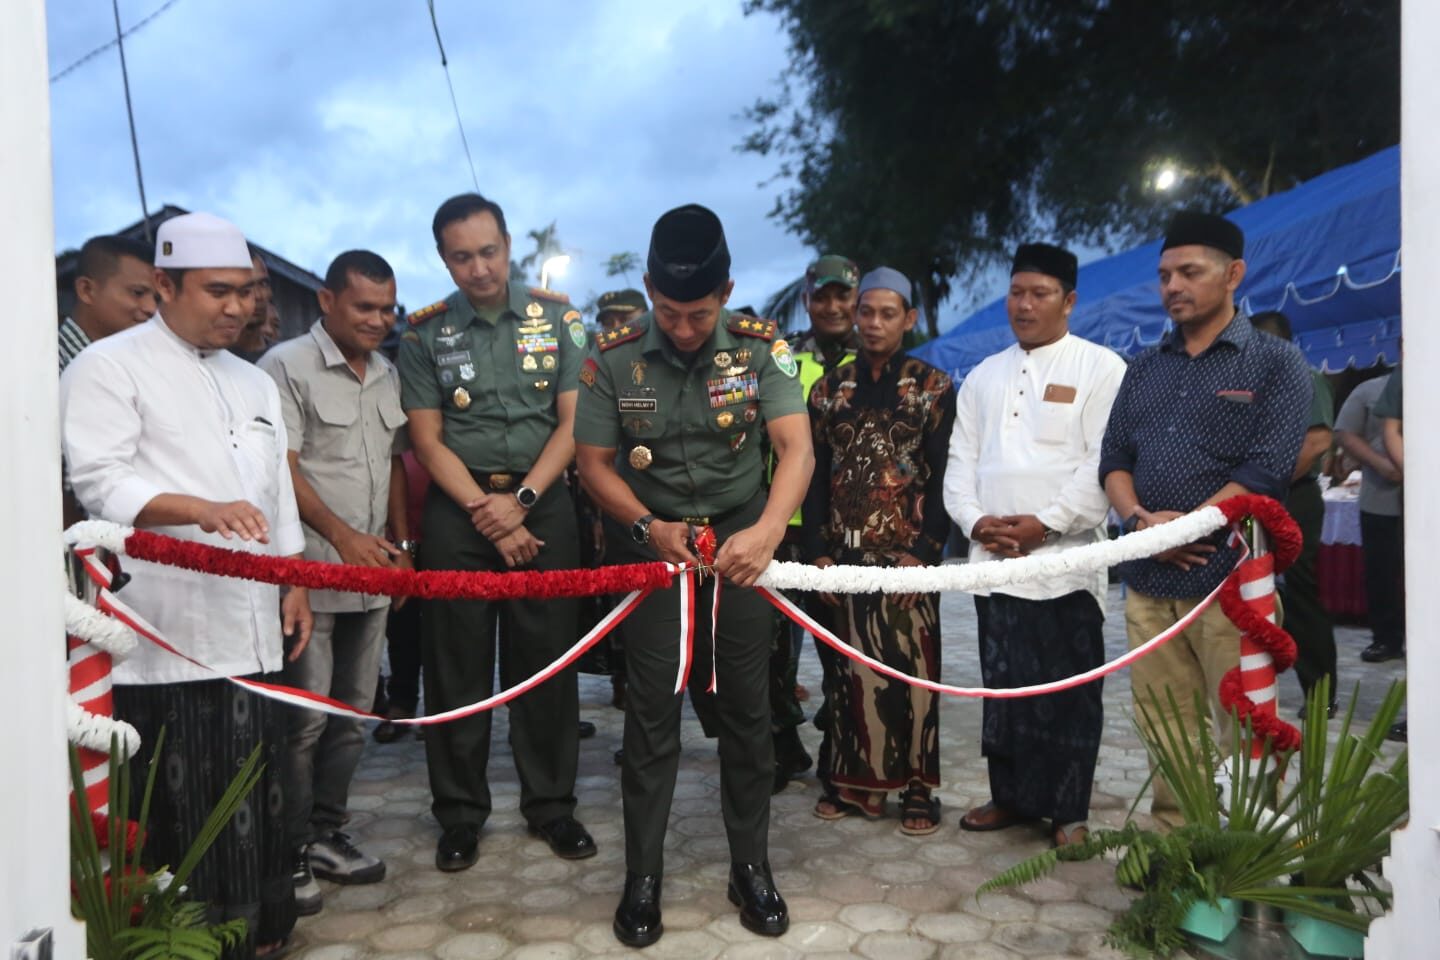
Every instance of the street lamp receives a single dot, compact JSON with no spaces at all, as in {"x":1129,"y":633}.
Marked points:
{"x":1166,"y":179}
{"x":553,"y":267}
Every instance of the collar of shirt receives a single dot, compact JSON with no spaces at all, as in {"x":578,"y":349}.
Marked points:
{"x":184,"y":345}
{"x":330,"y":352}
{"x":829,"y":351}
{"x":1238,"y":333}
{"x":655,"y":341}
{"x":72,"y":340}
{"x":888,"y":373}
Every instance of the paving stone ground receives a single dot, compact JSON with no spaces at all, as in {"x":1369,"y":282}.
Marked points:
{"x":855,"y":888}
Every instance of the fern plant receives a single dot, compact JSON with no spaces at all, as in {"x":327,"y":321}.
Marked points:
{"x":129,"y":914}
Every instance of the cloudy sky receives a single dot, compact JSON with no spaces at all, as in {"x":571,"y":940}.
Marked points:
{"x":323,"y":125}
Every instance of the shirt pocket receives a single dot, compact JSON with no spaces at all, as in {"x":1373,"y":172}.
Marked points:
{"x":334,"y":437}
{"x":257,"y":462}
{"x":1054,"y":422}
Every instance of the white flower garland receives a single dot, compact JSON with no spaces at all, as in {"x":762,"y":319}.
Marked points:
{"x":98,"y":533}
{"x":92,"y":731}
{"x":1091,"y":558}
{"x":101,"y":631}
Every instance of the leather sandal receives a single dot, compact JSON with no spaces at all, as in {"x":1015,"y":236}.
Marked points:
{"x":990,"y":816}
{"x":917,"y":803}
{"x":1067,"y":834}
{"x":840,"y":809}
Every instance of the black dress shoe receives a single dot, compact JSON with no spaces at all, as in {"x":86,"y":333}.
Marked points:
{"x":1380,"y":652}
{"x":458,"y":849}
{"x":567,"y":837}
{"x":587,"y":729}
{"x":762,"y":909}
{"x":637,"y":919}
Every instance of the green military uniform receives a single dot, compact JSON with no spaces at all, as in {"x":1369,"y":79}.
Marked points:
{"x":688,"y":433}
{"x":495,"y":377}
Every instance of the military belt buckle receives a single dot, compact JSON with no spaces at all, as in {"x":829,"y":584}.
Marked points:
{"x":696,"y":521}
{"x":501,"y":482}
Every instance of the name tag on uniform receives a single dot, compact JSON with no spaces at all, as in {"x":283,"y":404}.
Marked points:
{"x":452,"y":359}
{"x":733,"y":389}
{"x":637,"y":400}
{"x":1236,"y":396}
{"x":1058,"y":393}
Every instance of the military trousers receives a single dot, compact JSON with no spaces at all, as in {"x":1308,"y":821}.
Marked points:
{"x":459,"y":642}
{"x":739,"y":711}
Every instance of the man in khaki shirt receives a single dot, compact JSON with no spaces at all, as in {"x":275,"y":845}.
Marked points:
{"x":341,"y":402}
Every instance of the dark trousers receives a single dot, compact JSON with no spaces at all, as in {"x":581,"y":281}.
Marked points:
{"x":459,"y":640}
{"x":1384,"y":547}
{"x":1306,"y":618}
{"x":785,"y":711}
{"x":402,"y":642}
{"x":832,"y":673}
{"x":740,"y":711}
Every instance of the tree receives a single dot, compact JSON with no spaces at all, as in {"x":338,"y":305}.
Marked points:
{"x":620,"y":265}
{"x":935,"y":136}
{"x":546,"y":243}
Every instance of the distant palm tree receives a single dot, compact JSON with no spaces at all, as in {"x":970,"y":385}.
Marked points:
{"x":620,"y":265}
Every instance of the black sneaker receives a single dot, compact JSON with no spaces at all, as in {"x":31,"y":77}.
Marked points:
{"x":335,"y":858}
{"x":308,"y":898}
{"x":1380,"y":652}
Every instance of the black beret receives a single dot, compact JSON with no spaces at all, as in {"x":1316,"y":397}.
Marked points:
{"x":1193,"y":228}
{"x":1048,"y":259}
{"x":688,"y":257}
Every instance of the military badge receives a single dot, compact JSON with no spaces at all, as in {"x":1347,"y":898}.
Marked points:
{"x":467,"y":371}
{"x":533,"y":310}
{"x":528,"y":364}
{"x":577,"y":333}
{"x":738,"y":441}
{"x":637,"y":372}
{"x":447,"y":376}
{"x":542,"y":384}
{"x":722,"y":359}
{"x":571,"y":316}
{"x":461,"y":396}
{"x":784,"y":359}
{"x":641,"y":457}
{"x":547,"y":362}
{"x":587,"y":372}
{"x":751,"y":413}
{"x":724,"y":418}
{"x":742,"y":357}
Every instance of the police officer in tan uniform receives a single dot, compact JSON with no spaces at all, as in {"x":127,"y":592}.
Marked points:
{"x":681,"y":394}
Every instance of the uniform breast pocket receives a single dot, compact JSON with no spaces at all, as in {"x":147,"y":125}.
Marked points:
{"x":391,"y":414}
{"x":257,"y":462}
{"x":1054,"y":422}
{"x":643,"y":424}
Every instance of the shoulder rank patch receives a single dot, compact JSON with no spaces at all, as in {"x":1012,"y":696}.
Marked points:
{"x":425,"y":313}
{"x":621,"y":334}
{"x":751,"y":327}
{"x":554,"y":296}
{"x":587,"y":372}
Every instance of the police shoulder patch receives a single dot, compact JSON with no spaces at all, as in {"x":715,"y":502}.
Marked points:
{"x":554,"y":296}
{"x":751,"y":327}
{"x":621,"y":334}
{"x":425,"y":313}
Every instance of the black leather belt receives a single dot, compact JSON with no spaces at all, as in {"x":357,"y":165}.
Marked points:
{"x":497,"y":482}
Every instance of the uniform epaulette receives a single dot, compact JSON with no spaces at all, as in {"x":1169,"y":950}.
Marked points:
{"x":751,"y":327}
{"x":621,"y":334}
{"x":425,"y":313}
{"x":554,"y":296}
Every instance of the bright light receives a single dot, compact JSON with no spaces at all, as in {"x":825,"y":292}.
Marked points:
{"x":553,"y":267}
{"x":1166,"y":179}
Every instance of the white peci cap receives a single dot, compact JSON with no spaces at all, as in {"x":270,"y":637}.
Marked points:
{"x":200,"y":241}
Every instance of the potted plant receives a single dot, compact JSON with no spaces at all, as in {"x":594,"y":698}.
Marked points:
{"x":1246,"y":839}
{"x":130,"y":914}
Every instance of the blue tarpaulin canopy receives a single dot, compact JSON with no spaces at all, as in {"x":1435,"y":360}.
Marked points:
{"x":1327,"y":253}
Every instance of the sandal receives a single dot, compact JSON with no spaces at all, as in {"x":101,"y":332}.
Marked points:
{"x":990,"y":816}
{"x":918,"y":803}
{"x":840,"y":809}
{"x":274,"y":951}
{"x":1067,"y":834}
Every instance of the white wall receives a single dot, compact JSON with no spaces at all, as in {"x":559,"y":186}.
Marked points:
{"x":1413,"y":928}
{"x":34,"y":833}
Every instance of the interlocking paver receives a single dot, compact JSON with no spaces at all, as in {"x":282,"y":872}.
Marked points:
{"x":855,"y":887}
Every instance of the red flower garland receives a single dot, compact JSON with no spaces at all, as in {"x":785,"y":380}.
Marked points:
{"x":1285,"y":543}
{"x":427,"y":584}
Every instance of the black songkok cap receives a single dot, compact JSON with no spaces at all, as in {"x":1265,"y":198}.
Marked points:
{"x":1048,"y":259}
{"x":688,"y":257}
{"x":1192,"y":228}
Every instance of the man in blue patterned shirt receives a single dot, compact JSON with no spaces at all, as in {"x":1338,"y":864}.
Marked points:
{"x":1216,"y":409}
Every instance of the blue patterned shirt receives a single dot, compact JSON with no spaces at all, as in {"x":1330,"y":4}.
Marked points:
{"x":1185,"y":426}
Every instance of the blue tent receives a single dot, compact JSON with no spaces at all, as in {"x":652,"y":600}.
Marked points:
{"x":1327,"y":253}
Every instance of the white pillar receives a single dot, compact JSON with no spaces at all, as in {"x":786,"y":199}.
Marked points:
{"x":34,"y":830}
{"x":1412,"y":929}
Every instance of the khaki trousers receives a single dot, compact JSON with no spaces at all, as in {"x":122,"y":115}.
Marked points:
{"x":1192,"y":662}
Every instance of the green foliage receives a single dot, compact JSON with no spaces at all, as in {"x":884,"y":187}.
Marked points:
{"x":936,"y":136}
{"x":1294,"y":848}
{"x":620,"y":265}
{"x":135,"y":919}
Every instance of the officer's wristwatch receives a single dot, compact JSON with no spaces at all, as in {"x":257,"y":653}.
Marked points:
{"x":526,"y":495}
{"x":640,"y":529}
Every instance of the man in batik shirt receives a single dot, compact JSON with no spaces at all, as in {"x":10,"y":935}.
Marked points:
{"x":881,"y":426}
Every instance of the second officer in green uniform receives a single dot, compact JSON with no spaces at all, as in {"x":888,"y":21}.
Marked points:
{"x":681,"y":395}
{"x":488,"y":380}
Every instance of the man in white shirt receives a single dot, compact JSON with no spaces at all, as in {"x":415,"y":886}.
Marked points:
{"x":165,"y":429}
{"x":1022,"y":479}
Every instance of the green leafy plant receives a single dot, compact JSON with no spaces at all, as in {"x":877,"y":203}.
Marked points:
{"x":1299,"y":849}
{"x":130,"y":914}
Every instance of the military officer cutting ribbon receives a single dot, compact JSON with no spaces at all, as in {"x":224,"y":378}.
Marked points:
{"x":680,"y":395}
{"x":488,"y":381}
